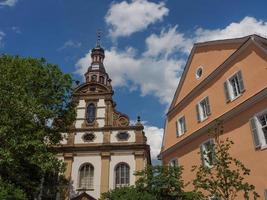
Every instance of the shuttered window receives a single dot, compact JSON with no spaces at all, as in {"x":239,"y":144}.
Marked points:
{"x":180,"y":126}
{"x":203,"y":109}
{"x":173,"y":162}
{"x":207,"y":153}
{"x":258,"y":125}
{"x":234,"y":87}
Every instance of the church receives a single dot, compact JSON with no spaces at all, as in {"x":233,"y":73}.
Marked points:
{"x":102,"y":149}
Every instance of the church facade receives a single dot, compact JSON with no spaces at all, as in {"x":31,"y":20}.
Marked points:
{"x":102,"y":150}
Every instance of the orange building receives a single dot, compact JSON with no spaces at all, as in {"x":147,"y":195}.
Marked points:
{"x":225,"y":80}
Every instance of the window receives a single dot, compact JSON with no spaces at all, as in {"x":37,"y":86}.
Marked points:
{"x":88,"y":137}
{"x":265,"y":194}
{"x":122,"y":175}
{"x":123,"y":136}
{"x":259,"y":129}
{"x":101,"y":79}
{"x":91,"y":112}
{"x":86,"y":175}
{"x":214,"y":198}
{"x":207,"y":153}
{"x":199,"y":72}
{"x":234,"y":87}
{"x":173,"y":162}
{"x":203,"y":109}
{"x":93,"y":78}
{"x":180,"y":126}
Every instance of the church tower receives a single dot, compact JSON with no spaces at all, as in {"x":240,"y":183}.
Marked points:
{"x":102,"y":150}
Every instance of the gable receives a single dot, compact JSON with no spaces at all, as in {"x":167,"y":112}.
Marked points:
{"x":208,"y":58}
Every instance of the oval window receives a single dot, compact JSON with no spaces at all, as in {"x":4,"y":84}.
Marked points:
{"x":123,"y":136}
{"x":199,"y":72}
{"x":91,"y":110}
{"x":88,"y":137}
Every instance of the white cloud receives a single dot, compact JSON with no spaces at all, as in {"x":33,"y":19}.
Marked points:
{"x":157,"y":71}
{"x":9,"y":3}
{"x":70,"y":44}
{"x":126,"y":18}
{"x":2,"y":35}
{"x":153,"y":76}
{"x":154,"y":138}
{"x":247,"y":26}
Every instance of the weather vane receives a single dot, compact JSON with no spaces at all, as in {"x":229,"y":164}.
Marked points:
{"x":98,"y":36}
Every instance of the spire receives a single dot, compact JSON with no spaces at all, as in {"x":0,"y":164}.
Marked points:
{"x":98,"y":38}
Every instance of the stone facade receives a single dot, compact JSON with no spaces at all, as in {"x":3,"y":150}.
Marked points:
{"x":102,"y":150}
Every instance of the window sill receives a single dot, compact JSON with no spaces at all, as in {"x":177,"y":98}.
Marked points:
{"x":204,"y":119}
{"x":263,"y":147}
{"x":232,"y":99}
{"x":179,"y":135}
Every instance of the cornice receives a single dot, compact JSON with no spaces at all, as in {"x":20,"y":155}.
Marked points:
{"x":226,"y":116}
{"x":108,"y":128}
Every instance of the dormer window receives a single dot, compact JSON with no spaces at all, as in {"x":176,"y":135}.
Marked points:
{"x":91,"y":113}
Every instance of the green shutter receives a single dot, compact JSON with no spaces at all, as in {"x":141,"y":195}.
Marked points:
{"x":240,"y":81}
{"x":198,"y":115}
{"x":208,"y":106}
{"x":255,"y":133}
{"x":226,"y":92}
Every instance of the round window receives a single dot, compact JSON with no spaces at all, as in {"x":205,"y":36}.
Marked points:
{"x":123,"y":136}
{"x":88,"y":137}
{"x":199,"y":72}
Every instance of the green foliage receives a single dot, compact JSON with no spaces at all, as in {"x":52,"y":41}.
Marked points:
{"x":226,"y":178}
{"x":127,"y":193}
{"x":9,"y":192}
{"x":155,"y":183}
{"x":35,"y":102}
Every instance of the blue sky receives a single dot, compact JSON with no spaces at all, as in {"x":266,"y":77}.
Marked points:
{"x":147,"y":42}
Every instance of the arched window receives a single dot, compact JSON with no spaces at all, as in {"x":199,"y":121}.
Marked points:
{"x":122,"y":175}
{"x":86,"y":176}
{"x":91,"y":110}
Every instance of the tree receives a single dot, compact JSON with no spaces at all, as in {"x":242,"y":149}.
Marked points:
{"x":225,"y":179}
{"x":127,"y":193}
{"x":36,"y":107}
{"x":155,"y":183}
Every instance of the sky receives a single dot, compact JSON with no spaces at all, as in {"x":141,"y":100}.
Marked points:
{"x":146,"y":42}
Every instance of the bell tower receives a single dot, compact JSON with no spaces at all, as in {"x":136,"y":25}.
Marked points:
{"x":96,"y":71}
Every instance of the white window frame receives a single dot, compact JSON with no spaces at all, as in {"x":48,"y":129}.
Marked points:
{"x":180,"y":126}
{"x":173,"y":162}
{"x":263,"y":142}
{"x":115,"y":175}
{"x":230,"y":88}
{"x":204,"y":157}
{"x":89,"y":185}
{"x":203,"y":111}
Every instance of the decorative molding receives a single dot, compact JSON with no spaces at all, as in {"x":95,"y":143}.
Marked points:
{"x":226,"y":116}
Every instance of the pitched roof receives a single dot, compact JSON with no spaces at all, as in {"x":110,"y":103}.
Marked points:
{"x":83,"y":196}
{"x":258,"y":40}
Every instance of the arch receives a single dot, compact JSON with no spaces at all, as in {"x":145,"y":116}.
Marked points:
{"x":86,"y":176}
{"x":91,"y":113}
{"x":122,"y":174}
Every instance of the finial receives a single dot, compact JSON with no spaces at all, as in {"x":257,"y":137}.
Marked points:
{"x":98,"y":36}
